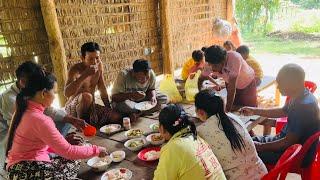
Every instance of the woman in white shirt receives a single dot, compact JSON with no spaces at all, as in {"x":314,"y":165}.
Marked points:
{"x":228,"y":138}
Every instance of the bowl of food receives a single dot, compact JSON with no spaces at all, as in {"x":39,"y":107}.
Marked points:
{"x":118,"y":156}
{"x":99,"y":164}
{"x":149,"y":154}
{"x":155,"y":139}
{"x":134,"y":133}
{"x":110,"y":128}
{"x":117,"y":174}
{"x":135,"y":144}
{"x":144,"y":105}
{"x":154,"y":127}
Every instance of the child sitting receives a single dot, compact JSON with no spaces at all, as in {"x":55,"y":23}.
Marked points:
{"x":193,"y":64}
{"x":252,"y":62}
{"x":228,"y":45}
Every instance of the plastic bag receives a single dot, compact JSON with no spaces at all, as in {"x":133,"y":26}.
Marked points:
{"x":169,"y":88}
{"x":191,"y":86}
{"x":221,"y":28}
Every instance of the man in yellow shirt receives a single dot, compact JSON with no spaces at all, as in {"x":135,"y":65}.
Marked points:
{"x":252,"y":62}
{"x":193,"y":64}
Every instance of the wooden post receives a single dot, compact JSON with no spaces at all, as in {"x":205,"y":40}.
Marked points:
{"x":57,"y":51}
{"x":230,"y":10}
{"x":168,"y":66}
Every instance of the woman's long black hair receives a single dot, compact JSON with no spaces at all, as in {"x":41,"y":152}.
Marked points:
{"x":37,"y":82}
{"x":173,"y":118}
{"x":212,"y":104}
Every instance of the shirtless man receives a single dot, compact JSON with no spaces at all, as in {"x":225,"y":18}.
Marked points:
{"x":83,"y":78}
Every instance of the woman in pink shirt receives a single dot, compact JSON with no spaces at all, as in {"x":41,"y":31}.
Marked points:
{"x":238,"y":75}
{"x":32,"y":133}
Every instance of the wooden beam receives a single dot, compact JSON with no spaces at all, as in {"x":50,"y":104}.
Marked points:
{"x":230,"y":10}
{"x":168,"y":65}
{"x":57,"y":51}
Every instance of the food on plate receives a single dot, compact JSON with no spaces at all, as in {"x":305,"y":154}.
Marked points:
{"x":152,"y":155}
{"x":100,"y":162}
{"x":155,"y":127}
{"x":111,"y":128}
{"x":156,"y":137}
{"x":136,"y":143}
{"x":118,"y":156}
{"x":119,"y":174}
{"x":134,"y":133}
{"x":147,"y":105}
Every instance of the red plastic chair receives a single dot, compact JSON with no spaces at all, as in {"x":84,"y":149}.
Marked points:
{"x":284,"y":164}
{"x":313,"y":171}
{"x":281,"y":122}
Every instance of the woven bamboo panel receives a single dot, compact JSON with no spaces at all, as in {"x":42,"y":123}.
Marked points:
{"x":123,"y":28}
{"x":191,"y":22}
{"x":24,"y":35}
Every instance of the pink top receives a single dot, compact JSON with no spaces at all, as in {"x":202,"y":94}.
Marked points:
{"x":36,"y":133}
{"x":236,"y":66}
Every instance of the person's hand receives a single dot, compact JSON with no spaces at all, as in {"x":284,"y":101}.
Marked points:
{"x":247,"y":111}
{"x":139,"y":95}
{"x":258,"y":145}
{"x":74,"y":139}
{"x":103,"y":152}
{"x":80,"y":124}
{"x":91,"y":70}
{"x":217,"y":88}
{"x":153,"y":100}
{"x":192,"y":75}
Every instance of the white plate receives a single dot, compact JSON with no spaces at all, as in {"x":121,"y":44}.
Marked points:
{"x":122,"y":155}
{"x":127,"y":143}
{"x":132,"y":137}
{"x":144,"y":106}
{"x":110,"y":128}
{"x":156,"y":143}
{"x":126,"y":176}
{"x":153,"y":128}
{"x":102,"y":167}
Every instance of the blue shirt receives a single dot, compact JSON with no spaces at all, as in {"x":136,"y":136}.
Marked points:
{"x":303,"y":120}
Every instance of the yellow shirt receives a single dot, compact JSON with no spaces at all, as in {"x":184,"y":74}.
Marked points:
{"x":184,"y":158}
{"x":254,"y":64}
{"x":186,"y":68}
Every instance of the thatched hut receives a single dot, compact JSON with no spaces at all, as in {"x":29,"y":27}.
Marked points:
{"x":52,"y":31}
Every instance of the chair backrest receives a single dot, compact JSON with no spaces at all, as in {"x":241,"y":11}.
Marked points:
{"x":305,"y":148}
{"x":284,"y":163}
{"x":311,"y":86}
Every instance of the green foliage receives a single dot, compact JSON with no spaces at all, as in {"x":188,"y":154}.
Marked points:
{"x":263,"y":44}
{"x":314,"y":28}
{"x":254,"y":15}
{"x":308,"y":4}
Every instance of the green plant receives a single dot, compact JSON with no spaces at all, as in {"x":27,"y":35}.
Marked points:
{"x":308,"y":4}
{"x":254,"y":15}
{"x":299,"y":27}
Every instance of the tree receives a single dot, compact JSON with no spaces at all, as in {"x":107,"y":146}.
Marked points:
{"x":254,"y":15}
{"x":308,"y":4}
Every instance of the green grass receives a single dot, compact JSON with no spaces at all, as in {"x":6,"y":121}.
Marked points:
{"x":260,"y":44}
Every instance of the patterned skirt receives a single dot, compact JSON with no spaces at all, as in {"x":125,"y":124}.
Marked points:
{"x":59,"y":168}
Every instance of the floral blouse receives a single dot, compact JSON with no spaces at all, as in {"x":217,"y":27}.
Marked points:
{"x":238,"y":165}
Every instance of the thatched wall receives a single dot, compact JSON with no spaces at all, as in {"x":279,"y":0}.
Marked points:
{"x":124,"y":29}
{"x":163,"y":31}
{"x":23,"y":34}
{"x":191,"y":26}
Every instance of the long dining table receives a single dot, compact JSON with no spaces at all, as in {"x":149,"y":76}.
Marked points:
{"x":140,"y":169}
